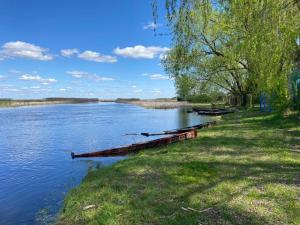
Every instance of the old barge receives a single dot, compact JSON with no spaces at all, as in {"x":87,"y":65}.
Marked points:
{"x":212,"y":112}
{"x":176,"y":136}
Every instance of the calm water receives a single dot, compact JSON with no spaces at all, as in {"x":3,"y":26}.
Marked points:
{"x":36,"y":169}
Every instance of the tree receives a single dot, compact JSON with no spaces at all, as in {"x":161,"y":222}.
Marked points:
{"x":241,"y":46}
{"x":184,"y":86}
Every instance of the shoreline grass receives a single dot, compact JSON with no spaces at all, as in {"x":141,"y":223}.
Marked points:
{"x":245,"y":170}
{"x":156,"y":104}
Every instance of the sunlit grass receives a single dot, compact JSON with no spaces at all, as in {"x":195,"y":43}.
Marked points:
{"x":245,"y":170}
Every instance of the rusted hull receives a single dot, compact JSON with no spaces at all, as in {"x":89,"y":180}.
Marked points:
{"x":198,"y":126}
{"x":212,"y":112}
{"x":139,"y":146}
{"x":182,"y":130}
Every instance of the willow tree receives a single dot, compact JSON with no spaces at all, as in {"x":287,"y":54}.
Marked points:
{"x":241,"y":46}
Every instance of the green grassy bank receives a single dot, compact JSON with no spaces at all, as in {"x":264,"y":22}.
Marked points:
{"x":245,"y":170}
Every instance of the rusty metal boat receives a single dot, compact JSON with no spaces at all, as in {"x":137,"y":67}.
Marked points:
{"x":139,"y":146}
{"x":176,"y":136}
{"x":212,"y":112}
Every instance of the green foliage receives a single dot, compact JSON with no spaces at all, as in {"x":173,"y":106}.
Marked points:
{"x":240,"y":46}
{"x":202,"y":98}
{"x":184,"y":86}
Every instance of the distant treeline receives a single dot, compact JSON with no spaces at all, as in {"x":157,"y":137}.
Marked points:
{"x":79,"y":100}
{"x":124,"y":100}
{"x":51,"y":99}
{"x":120,"y":100}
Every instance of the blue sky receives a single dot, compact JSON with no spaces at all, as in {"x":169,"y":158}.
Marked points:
{"x":91,"y":48}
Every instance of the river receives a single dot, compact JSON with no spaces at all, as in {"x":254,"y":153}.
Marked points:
{"x":36,"y":170}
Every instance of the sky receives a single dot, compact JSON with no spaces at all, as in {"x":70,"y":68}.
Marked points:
{"x":82,"y":48}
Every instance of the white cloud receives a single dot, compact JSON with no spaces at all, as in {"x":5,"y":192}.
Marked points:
{"x":62,"y":89}
{"x":151,"y":25}
{"x":29,"y":77}
{"x":2,"y":77}
{"x":96,"y":57}
{"x":44,"y":81}
{"x":88,"y":55}
{"x":94,"y":77}
{"x":163,"y":56}
{"x":98,"y":78}
{"x":140,"y":51}
{"x":77,"y":74}
{"x":158,"y":76}
{"x":134,"y":86}
{"x":69,"y":52}
{"x":20,"y":49}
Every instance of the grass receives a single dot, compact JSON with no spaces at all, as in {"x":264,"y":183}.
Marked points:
{"x":245,"y":170}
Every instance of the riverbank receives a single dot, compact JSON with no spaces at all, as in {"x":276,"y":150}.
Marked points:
{"x":150,"y":104}
{"x":166,"y":103}
{"x":46,"y":101}
{"x":245,"y":170}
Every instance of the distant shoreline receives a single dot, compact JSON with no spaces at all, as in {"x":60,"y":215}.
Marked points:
{"x":6,"y":103}
{"x":150,"y":104}
{"x":153,"y":104}
{"x":163,"y":103}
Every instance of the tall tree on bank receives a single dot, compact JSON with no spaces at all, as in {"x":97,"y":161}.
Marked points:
{"x":241,"y":46}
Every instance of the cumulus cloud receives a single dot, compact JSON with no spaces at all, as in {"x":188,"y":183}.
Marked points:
{"x":69,"y":52}
{"x":29,"y":77}
{"x":140,"y":51}
{"x":94,"y":77}
{"x":96,"y":57}
{"x":20,"y":49}
{"x":151,"y":26}
{"x":88,"y":55}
